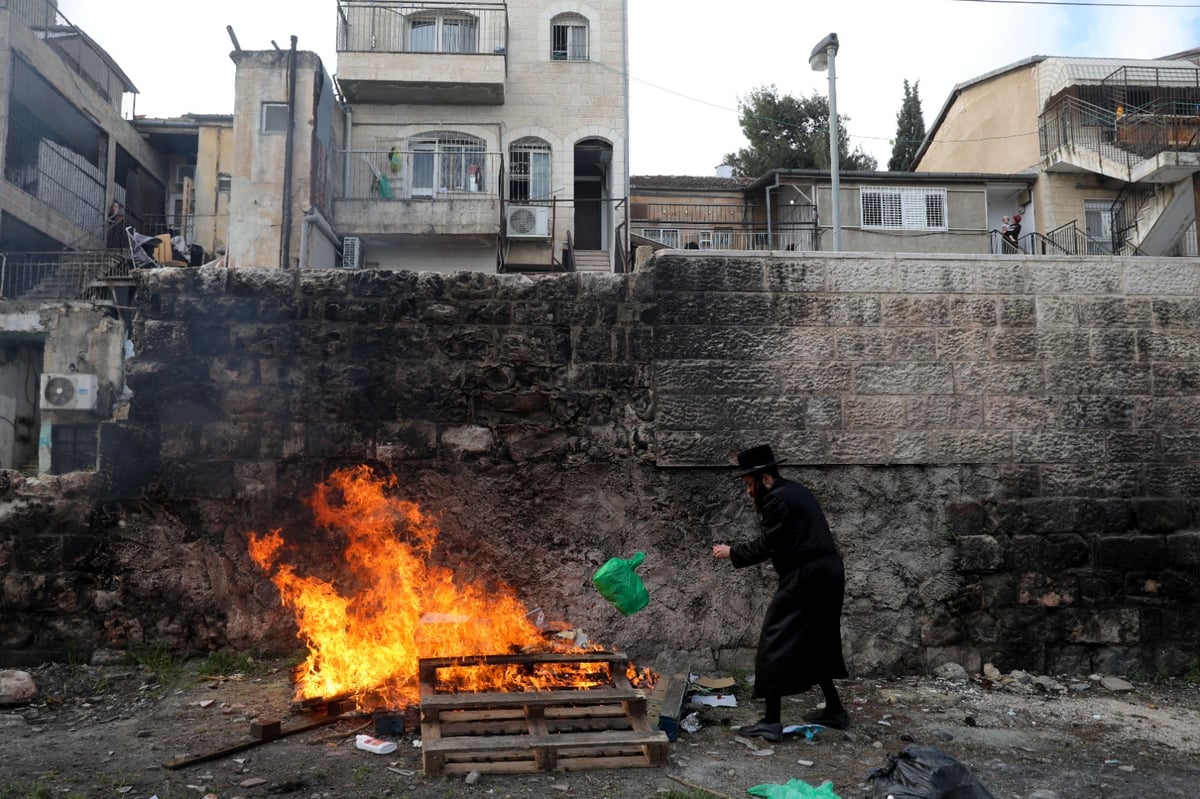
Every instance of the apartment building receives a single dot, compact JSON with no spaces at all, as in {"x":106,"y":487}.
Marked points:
{"x":1112,"y":143}
{"x":455,"y":135}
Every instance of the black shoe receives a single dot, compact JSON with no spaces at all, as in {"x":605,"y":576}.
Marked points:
{"x":763,"y":729}
{"x":838,"y":720}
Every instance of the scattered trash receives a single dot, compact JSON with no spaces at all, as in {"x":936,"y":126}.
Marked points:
{"x":252,"y":782}
{"x":369,"y":743}
{"x":714,"y":683}
{"x":922,"y":772}
{"x":471,"y":778}
{"x":717,"y":700}
{"x":691,"y":722}
{"x":809,"y":730}
{"x":403,"y":772}
{"x":794,"y":789}
{"x":617,"y":582}
{"x":805,"y":763}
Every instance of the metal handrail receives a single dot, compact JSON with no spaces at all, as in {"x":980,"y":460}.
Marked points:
{"x":450,"y":28}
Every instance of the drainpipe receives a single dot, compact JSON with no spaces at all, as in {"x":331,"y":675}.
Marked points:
{"x":314,"y":217}
{"x":347,"y":148}
{"x":770,"y":232}
{"x":285,"y":243}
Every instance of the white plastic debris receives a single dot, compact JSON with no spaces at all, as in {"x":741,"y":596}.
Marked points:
{"x":369,"y":743}
{"x":716,"y":700}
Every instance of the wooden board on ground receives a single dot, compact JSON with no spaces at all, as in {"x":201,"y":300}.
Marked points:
{"x":534,"y":731}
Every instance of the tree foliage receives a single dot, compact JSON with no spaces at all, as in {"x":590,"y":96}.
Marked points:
{"x":789,"y":133}
{"x":910,"y":130}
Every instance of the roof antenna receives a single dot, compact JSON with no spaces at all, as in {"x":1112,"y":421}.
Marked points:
{"x":233,"y":38}
{"x":274,"y":45}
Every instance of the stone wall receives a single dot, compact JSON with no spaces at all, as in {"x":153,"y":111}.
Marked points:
{"x":1005,"y":448}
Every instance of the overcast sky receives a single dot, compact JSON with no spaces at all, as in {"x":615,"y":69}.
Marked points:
{"x":689,"y":61}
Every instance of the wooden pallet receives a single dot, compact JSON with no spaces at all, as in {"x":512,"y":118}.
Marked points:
{"x":535,"y":731}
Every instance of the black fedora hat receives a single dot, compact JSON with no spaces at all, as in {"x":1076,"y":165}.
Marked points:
{"x":756,"y":459}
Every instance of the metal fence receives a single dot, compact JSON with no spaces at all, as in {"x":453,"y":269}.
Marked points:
{"x":381,"y":26}
{"x":449,"y":172}
{"x":754,"y":238}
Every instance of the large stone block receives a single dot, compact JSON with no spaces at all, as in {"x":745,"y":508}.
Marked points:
{"x":674,"y":273}
{"x":1146,"y":553}
{"x":904,"y":378}
{"x":818,"y":309}
{"x":1100,"y":378}
{"x":1183,"y":313}
{"x":979,"y":553}
{"x":715,"y":309}
{"x":998,"y":378}
{"x":914,"y":311}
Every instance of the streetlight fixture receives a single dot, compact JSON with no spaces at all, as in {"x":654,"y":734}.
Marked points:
{"x":822,"y":58}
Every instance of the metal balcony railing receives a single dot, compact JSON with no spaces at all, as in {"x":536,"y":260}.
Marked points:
{"x":78,"y":275}
{"x":1125,"y":138}
{"x":396,"y":26}
{"x":461,"y":174}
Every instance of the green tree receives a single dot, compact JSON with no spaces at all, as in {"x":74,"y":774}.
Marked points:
{"x":789,"y":133}
{"x":910,"y":130}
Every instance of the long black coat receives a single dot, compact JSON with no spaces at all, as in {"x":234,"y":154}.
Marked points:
{"x":801,"y":639}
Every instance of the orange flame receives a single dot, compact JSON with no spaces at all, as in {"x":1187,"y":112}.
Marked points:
{"x":366,"y":638}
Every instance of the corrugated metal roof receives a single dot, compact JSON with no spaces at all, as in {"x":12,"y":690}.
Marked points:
{"x":1057,"y":74}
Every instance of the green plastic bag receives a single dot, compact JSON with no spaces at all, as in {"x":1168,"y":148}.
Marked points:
{"x":619,"y":584}
{"x":794,"y":789}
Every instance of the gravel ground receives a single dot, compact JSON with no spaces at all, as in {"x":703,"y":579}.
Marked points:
{"x":107,"y":731}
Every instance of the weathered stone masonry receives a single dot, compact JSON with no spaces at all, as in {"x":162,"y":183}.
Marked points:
{"x":1007,"y":448}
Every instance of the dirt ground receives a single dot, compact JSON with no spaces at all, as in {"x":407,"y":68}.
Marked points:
{"x":108,"y":731}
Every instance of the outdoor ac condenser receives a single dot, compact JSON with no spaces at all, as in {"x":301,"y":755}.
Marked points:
{"x":353,"y":256}
{"x":70,"y":392}
{"x":528,"y":221}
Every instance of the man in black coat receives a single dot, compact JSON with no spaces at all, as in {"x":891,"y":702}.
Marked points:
{"x":801,"y":640}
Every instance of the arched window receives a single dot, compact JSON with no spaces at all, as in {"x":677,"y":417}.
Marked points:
{"x":447,"y":161}
{"x":528,"y":170}
{"x":443,"y":32}
{"x":569,"y":38}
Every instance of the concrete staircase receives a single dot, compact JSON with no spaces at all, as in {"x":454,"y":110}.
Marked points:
{"x":592,"y":261}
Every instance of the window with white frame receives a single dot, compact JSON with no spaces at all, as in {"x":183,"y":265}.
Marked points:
{"x":706,"y":239}
{"x":446,"y":162}
{"x":903,"y":208}
{"x":1099,"y":219}
{"x":274,"y":118}
{"x":529,"y":170}
{"x":570,"y":38}
{"x":443,"y":32}
{"x":668,"y":236}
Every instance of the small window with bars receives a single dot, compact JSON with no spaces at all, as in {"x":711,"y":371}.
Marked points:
{"x":570,"y":38}
{"x":903,"y":208}
{"x":529,"y":170}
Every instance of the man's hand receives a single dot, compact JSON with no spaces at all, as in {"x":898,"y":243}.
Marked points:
{"x":721,"y":551}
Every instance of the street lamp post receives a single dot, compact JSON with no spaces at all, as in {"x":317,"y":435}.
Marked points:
{"x":822,"y":58}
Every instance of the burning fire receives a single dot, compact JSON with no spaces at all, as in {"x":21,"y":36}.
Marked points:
{"x":366,"y":638}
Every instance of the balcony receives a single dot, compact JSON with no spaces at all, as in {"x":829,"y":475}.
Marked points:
{"x":442,"y":191}
{"x":427,"y":53}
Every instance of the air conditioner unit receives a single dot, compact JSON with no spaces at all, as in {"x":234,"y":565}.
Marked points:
{"x":528,"y":221}
{"x":353,"y":255}
{"x":73,"y":392}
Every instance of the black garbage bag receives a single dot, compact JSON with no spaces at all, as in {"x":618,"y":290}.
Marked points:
{"x":922,"y":772}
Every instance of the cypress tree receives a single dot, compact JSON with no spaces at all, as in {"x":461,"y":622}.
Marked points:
{"x":910,"y":130}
